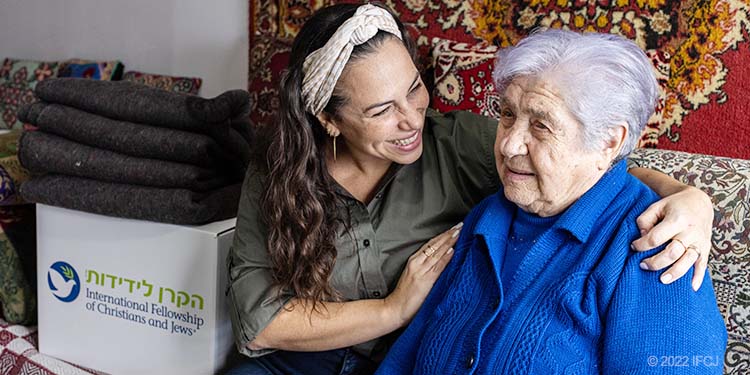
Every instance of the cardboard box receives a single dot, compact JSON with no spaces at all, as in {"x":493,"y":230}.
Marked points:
{"x":133,"y":297}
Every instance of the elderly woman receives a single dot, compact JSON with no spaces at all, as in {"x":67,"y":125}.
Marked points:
{"x":345,"y":223}
{"x":542,"y":280}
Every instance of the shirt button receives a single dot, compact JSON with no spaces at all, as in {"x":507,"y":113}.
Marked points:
{"x":376,"y":294}
{"x":378,"y":195}
{"x":366,"y":243}
{"x":470,"y":361}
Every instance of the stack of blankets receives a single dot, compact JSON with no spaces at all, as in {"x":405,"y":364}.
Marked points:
{"x":126,"y":150}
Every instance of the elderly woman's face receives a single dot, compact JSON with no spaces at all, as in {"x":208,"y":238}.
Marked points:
{"x":385,"y":112}
{"x":539,"y":153}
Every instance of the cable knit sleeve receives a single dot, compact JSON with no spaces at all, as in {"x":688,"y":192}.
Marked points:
{"x":651,"y":328}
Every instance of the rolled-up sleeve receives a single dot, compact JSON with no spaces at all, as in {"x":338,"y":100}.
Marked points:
{"x":253,"y":301}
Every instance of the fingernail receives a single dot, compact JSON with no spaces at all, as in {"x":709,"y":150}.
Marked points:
{"x":449,"y":251}
{"x":666,"y":278}
{"x":643,"y":232}
{"x":455,"y":233}
{"x":695,"y":287}
{"x":643,"y":266}
{"x":459,"y":225}
{"x":632,"y":247}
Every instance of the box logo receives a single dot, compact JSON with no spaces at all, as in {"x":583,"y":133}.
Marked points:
{"x":64,"y":282}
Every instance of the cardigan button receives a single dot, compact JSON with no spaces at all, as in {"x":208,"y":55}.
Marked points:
{"x":470,"y":361}
{"x":366,"y":243}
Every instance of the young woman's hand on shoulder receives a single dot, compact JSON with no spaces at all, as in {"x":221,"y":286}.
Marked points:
{"x":422,"y":270}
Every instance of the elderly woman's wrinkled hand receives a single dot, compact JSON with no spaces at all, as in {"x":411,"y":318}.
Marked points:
{"x":685,"y":218}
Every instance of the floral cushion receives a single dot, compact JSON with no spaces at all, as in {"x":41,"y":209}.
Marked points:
{"x":12,"y":174}
{"x":18,"y":78}
{"x":463,"y":77}
{"x":727,"y":182}
{"x":185,"y":85}
{"x":17,"y":297}
{"x":18,"y":263}
{"x":99,"y":70}
{"x":17,"y":231}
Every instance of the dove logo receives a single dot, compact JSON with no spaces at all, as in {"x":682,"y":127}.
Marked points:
{"x":63,"y":281}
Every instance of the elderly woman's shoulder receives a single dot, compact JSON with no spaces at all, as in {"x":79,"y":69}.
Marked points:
{"x":621,"y":217}
{"x":641,"y":194}
{"x":632,"y":199}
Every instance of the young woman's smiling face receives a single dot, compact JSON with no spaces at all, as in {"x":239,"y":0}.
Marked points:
{"x":384,"y":113}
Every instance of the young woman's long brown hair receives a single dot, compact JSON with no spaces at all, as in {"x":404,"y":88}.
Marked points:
{"x":299,"y":206}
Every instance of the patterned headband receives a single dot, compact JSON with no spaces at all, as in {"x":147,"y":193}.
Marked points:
{"x":323,"y":67}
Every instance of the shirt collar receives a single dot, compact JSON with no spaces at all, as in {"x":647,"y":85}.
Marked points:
{"x":495,"y":221}
{"x":578,"y":219}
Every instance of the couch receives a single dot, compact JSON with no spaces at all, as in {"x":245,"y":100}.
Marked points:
{"x":696,"y":48}
{"x":726,"y":180}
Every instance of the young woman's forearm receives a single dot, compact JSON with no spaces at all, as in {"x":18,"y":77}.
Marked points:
{"x":337,"y":325}
{"x":659,"y":182}
{"x":342,"y":324}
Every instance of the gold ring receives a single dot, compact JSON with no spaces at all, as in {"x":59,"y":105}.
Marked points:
{"x":429,"y":251}
{"x":694,"y":248}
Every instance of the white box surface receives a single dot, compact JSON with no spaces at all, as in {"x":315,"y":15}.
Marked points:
{"x":132,"y":297}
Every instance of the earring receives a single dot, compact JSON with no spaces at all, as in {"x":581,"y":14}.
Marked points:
{"x":334,"y":133}
{"x":334,"y":147}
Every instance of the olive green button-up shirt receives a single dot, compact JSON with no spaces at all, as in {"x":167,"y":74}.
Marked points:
{"x":413,"y":204}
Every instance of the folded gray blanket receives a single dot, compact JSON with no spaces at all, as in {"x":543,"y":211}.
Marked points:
{"x":128,"y":138}
{"x":225,"y":118}
{"x":128,"y":101}
{"x":40,"y":152}
{"x":176,"y":206}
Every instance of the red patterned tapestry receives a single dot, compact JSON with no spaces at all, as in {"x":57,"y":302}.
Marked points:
{"x":699,"y":50}
{"x":696,"y":46}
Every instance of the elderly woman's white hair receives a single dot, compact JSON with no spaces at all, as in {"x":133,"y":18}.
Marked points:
{"x":606,"y":80}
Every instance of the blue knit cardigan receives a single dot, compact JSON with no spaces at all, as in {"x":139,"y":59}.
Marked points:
{"x":578,"y":303}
